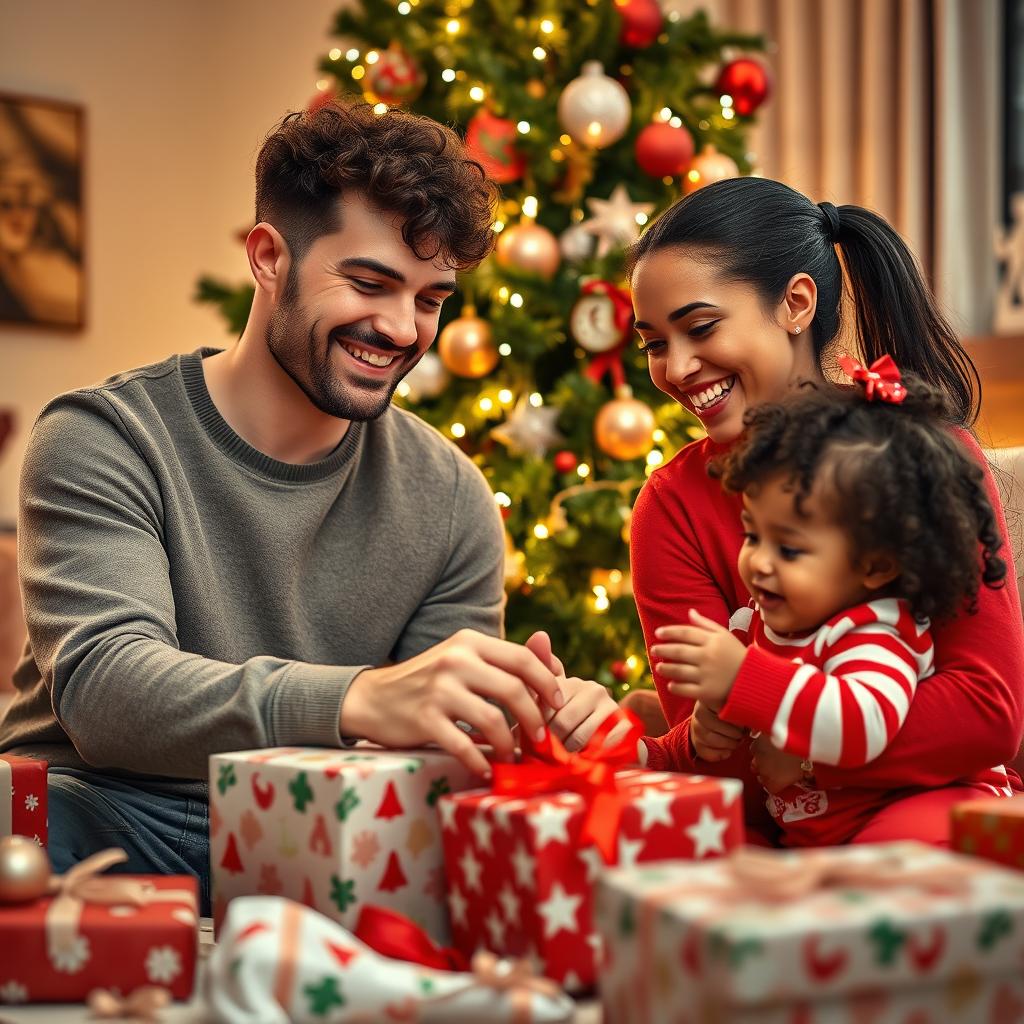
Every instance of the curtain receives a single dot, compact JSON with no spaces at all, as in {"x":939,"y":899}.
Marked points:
{"x":893,"y":105}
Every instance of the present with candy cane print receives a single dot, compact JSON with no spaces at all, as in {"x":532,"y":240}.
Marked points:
{"x":521,"y":870}
{"x":992,"y":828}
{"x":100,"y":931}
{"x":333,"y":829}
{"x":885,"y":933}
{"x":23,"y":797}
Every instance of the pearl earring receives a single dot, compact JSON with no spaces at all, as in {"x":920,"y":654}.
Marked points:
{"x":797,"y":329}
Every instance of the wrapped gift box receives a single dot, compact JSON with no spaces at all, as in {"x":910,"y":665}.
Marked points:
{"x":993,"y":828}
{"x":119,"y":946}
{"x":888,"y":933}
{"x":333,"y":829}
{"x":520,"y":877}
{"x":23,"y":797}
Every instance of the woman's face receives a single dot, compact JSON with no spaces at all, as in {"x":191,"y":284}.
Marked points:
{"x":711,"y":344}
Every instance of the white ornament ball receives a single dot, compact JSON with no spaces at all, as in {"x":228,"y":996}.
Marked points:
{"x":427,"y":379}
{"x":594,"y":109}
{"x":24,"y":870}
{"x":577,"y":244}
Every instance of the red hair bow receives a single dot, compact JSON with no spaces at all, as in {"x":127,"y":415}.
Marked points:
{"x":881,"y":380}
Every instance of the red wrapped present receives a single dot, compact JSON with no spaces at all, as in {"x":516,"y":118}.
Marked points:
{"x":991,"y":827}
{"x":521,"y":860}
{"x":23,"y":797}
{"x":121,"y":932}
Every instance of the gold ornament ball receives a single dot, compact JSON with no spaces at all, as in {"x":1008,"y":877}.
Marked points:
{"x":24,"y":870}
{"x":536,"y":89}
{"x":530,"y":248}
{"x":706,"y":167}
{"x":466,"y":347}
{"x":624,"y":428}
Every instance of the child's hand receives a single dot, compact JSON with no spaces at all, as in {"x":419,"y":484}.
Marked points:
{"x":775,"y":769}
{"x":713,"y":739}
{"x":702,"y":659}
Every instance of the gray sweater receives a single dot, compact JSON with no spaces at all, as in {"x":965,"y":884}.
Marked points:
{"x":186,"y":594}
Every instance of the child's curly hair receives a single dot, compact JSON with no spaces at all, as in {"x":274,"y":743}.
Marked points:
{"x":901,"y":484}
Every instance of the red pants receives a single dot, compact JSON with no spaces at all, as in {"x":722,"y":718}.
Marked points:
{"x":924,"y":817}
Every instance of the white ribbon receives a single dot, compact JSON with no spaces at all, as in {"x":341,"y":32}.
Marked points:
{"x":6,"y":798}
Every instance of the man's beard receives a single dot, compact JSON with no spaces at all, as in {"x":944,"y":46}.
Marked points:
{"x":307,"y":359}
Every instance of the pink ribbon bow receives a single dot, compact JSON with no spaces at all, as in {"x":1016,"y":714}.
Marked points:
{"x":881,"y":380}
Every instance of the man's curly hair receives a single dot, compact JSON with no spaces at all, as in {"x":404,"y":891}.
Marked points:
{"x":897,"y":480}
{"x":404,"y":164}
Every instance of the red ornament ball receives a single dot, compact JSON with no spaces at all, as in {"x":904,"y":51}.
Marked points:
{"x":620,"y":670}
{"x":491,"y":141}
{"x":566,"y":461}
{"x":747,"y":82}
{"x":322,"y":98}
{"x":664,"y":151}
{"x":395,"y":79}
{"x":641,"y":22}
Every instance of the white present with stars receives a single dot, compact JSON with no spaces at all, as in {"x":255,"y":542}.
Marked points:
{"x":520,"y":878}
{"x":333,"y":829}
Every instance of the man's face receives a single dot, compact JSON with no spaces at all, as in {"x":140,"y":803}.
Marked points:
{"x":357,"y":313}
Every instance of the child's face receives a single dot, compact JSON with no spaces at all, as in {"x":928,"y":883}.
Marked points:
{"x":799,"y":569}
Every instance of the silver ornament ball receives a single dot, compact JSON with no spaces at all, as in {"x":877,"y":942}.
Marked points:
{"x":427,"y":379}
{"x":577,"y":244}
{"x":24,"y":870}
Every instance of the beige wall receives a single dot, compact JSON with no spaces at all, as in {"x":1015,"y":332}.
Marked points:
{"x":178,"y":96}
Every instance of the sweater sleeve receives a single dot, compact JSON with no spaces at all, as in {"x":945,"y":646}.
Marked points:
{"x":470,"y":591}
{"x":969,"y":715}
{"x":670,"y":576}
{"x":100,"y":613}
{"x":848,"y":711}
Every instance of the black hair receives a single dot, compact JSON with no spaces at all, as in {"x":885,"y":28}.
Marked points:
{"x":899,"y":482}
{"x":762,"y":232}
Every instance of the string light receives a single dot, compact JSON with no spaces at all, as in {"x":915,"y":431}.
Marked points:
{"x":515,"y":299}
{"x":504,"y":395}
{"x":632,"y":661}
{"x":641,"y":219}
{"x":523,"y":127}
{"x":658,"y":435}
{"x":372,"y":57}
{"x":358,"y":71}
{"x":404,"y":8}
{"x":565,"y":139}
{"x":486,"y":404}
{"x":665,"y":113}
{"x":726,"y":100}
{"x":352,"y":54}
{"x":322,"y":84}
{"x":335,"y":54}
{"x":655,"y":458}
{"x":498,"y":226}
{"x":505,"y":349}
{"x":529,"y":579}
{"x":536,"y":400}
{"x":458,"y":430}
{"x":583,"y":470}
{"x":547,"y":26}
{"x":453,"y":26}
{"x":601,"y":603}
{"x":403,"y":390}
{"x":540,"y":531}
{"x":380,"y":108}
{"x":539,"y":52}
{"x":530,"y":206}
{"x":503,"y":500}
{"x":448,"y":75}
{"x":728,"y":113}
{"x":503,"y":293}
{"x":676,"y":122}
{"x":594,"y":129}
{"x":476,"y":93}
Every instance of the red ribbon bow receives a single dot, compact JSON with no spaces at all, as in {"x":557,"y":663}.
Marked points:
{"x":881,"y":380}
{"x":547,"y":767}
{"x":393,"y":935}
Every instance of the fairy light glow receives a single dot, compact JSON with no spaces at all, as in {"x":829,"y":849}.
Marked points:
{"x":458,"y":430}
{"x":335,"y":54}
{"x":352,"y":54}
{"x":583,"y":470}
{"x":503,"y":500}
{"x":536,"y":400}
{"x":504,"y":395}
{"x":540,"y":531}
{"x":372,"y":57}
{"x":476,"y":93}
{"x":530,"y":206}
{"x":486,"y":404}
{"x":523,"y":127}
{"x":504,"y":349}
{"x":539,"y":52}
{"x":547,"y":26}
{"x":448,"y":75}
{"x":516,"y":300}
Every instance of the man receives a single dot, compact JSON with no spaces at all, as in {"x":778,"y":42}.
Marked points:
{"x":253,"y":548}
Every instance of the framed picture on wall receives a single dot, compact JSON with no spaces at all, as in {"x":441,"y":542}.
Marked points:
{"x":42,"y":268}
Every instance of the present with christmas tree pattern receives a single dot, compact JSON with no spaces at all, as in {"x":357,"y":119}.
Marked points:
{"x":333,"y":829}
{"x":905,"y":930}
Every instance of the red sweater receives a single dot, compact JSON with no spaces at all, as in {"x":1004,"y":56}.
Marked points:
{"x":685,"y":538}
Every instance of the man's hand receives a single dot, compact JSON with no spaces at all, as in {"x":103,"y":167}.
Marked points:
{"x":775,"y":769}
{"x":700,"y":659}
{"x":713,"y":739}
{"x":418,"y":701}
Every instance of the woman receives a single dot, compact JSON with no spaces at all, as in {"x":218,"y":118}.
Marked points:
{"x":738,"y":295}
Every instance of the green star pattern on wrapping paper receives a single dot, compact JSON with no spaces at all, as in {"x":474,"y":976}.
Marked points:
{"x":888,"y":941}
{"x":301,"y":792}
{"x":323,"y":997}
{"x":343,"y":894}
{"x":722,"y":947}
{"x":427,"y":986}
{"x":226,"y":778}
{"x":349,"y":802}
{"x":995,"y":926}
{"x":438,"y":788}
{"x":413,"y":765}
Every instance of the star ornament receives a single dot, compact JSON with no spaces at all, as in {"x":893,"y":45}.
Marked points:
{"x":529,"y":429}
{"x":614,"y":220}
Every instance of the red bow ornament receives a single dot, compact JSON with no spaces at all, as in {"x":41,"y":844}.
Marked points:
{"x":880,"y":381}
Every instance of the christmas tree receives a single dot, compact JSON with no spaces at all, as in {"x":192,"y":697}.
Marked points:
{"x":593,"y":117}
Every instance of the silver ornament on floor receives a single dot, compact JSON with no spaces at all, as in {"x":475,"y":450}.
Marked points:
{"x":24,"y":870}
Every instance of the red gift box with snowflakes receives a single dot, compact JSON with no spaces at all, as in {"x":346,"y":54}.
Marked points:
{"x":991,"y":827}
{"x":23,"y":797}
{"x":521,"y":874}
{"x":333,"y":829}
{"x":117,"y":946}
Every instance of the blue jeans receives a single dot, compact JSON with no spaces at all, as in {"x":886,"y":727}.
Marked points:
{"x":162,"y":834}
